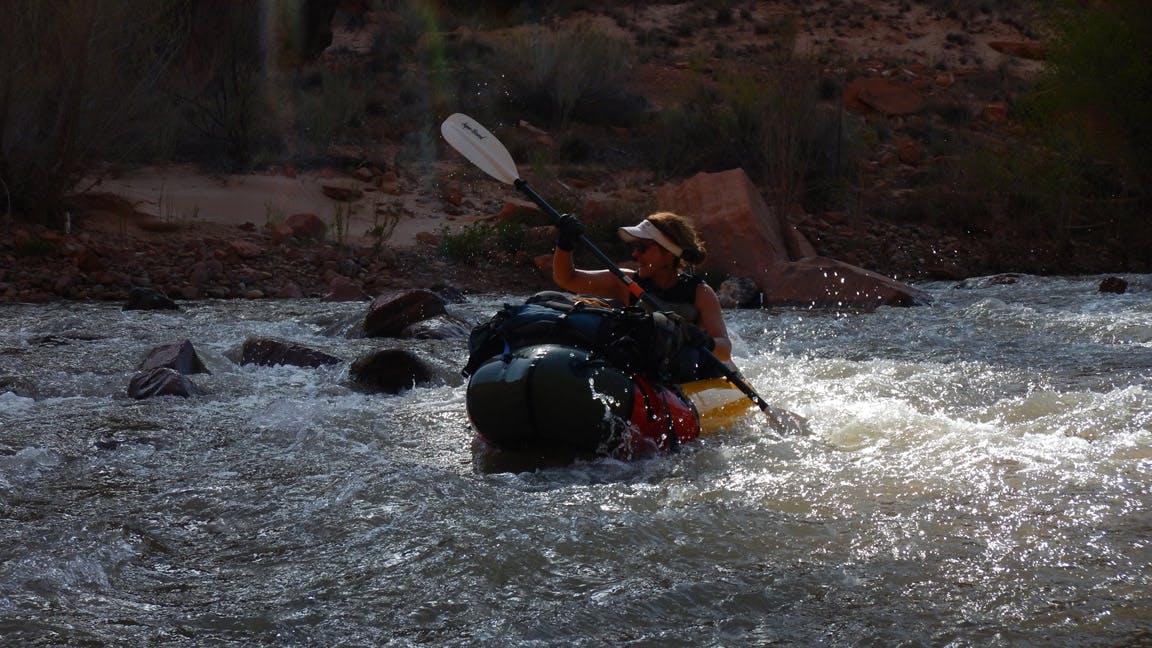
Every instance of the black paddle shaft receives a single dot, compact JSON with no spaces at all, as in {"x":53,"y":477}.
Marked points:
{"x":604,"y":258}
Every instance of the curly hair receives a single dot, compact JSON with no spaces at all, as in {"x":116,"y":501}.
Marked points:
{"x":682,"y":233}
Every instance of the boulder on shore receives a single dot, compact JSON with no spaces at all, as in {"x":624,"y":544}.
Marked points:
{"x":739,"y":292}
{"x":302,"y":227}
{"x":821,"y":282}
{"x":343,"y":289}
{"x":746,"y":238}
{"x":886,"y":96}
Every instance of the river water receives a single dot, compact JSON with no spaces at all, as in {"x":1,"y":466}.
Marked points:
{"x":977,"y":472}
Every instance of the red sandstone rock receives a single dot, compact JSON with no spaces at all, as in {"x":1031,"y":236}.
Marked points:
{"x":290,"y":290}
{"x":882,"y":95}
{"x":746,"y":239}
{"x":1024,"y":50}
{"x":822,"y":282}
{"x":304,"y":226}
{"x":910,"y":152}
{"x":87,"y":260}
{"x":245,"y":249}
{"x":519,"y":211}
{"x":341,"y":193}
{"x":341,"y":289}
{"x":388,"y":182}
{"x":740,"y":231}
{"x":452,"y":192}
{"x":995,"y":112}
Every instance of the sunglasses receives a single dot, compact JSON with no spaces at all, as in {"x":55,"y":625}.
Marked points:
{"x":640,"y":247}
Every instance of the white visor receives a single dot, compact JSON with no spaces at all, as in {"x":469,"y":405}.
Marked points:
{"x":646,"y":229}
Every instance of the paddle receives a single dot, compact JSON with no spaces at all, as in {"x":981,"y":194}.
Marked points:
{"x":483,"y":149}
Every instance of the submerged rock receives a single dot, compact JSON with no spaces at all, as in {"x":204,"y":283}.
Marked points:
{"x":180,"y":356}
{"x":390,"y":371}
{"x":441,"y":327}
{"x":161,"y":381}
{"x":149,"y":299}
{"x":1114,"y":285}
{"x":391,"y":313}
{"x":271,"y":352}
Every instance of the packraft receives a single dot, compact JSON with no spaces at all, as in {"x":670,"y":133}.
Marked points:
{"x":574,"y":376}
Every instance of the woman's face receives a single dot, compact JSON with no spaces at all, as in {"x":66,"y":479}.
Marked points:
{"x":650,"y":257}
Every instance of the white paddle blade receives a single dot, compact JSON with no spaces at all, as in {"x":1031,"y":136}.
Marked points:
{"x":480,"y":146}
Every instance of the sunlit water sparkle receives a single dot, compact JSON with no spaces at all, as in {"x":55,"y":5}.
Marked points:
{"x":977,"y":473}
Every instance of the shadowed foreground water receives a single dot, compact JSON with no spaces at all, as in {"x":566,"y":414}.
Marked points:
{"x":978,"y":473}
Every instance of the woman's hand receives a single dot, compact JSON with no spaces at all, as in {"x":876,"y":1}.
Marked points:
{"x":569,"y":230}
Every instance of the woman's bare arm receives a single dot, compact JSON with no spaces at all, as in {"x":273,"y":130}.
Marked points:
{"x":712,"y":321}
{"x":601,"y":283}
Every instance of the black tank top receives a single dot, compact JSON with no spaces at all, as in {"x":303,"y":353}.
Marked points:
{"x":680,"y":296}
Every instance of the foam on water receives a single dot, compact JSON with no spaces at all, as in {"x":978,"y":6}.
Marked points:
{"x":975,"y":472}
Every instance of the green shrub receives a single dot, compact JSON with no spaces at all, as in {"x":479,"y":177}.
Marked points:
{"x":1096,"y":93}
{"x":328,"y":112}
{"x":570,"y":74}
{"x":1091,"y":109}
{"x":483,"y":241}
{"x":228,"y":111}
{"x":774,"y":128}
{"x":509,"y":237}
{"x":464,"y":245}
{"x":1040,"y":192}
{"x":692,"y":135}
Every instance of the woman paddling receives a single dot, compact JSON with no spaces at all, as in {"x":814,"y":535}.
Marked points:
{"x":665,"y":247}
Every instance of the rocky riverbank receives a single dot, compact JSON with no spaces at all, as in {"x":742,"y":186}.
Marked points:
{"x":210,"y":261}
{"x":220,"y":261}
